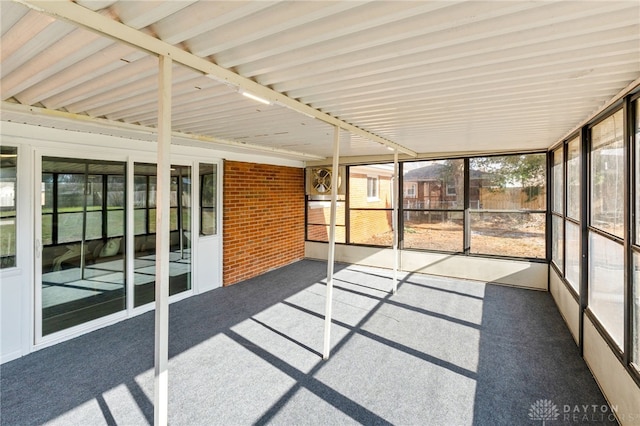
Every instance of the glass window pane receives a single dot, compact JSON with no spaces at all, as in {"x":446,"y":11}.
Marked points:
{"x":373,"y":227}
{"x":83,"y":276}
{"x":7,"y":241}
{"x":140,"y":191}
{"x":8,"y":193}
{"x":115,"y":223}
{"x":557,"y":242}
{"x":47,"y":229}
{"x":433,"y":184}
{"x":153,"y":189}
{"x":573,"y":179}
{"x":572,"y":255}
{"x":145,"y":228}
{"x":140,"y":221}
{"x":180,"y":260}
{"x":508,"y":234}
{"x":173,"y":219}
{"x":607,"y":175}
{"x":558,"y":181}
{"x":434,"y":230}
{"x":115,"y":191}
{"x":173,"y":198}
{"x":70,"y":226}
{"x":208,"y":198}
{"x":513,"y":182}
{"x":606,"y":284}
{"x":145,"y":240}
{"x":152,"y":221}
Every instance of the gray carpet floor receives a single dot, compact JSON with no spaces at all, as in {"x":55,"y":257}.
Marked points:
{"x":439,"y":352}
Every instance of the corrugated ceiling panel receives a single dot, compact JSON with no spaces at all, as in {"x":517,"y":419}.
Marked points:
{"x":432,"y":76}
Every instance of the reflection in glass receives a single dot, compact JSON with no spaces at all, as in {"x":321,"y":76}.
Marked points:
{"x":208,"y":198}
{"x":607,"y":175}
{"x":572,"y":255}
{"x":573,"y":179}
{"x":145,"y":226}
{"x":558,"y":181}
{"x":557,"y":242}
{"x":8,"y":191}
{"x":606,"y":284}
{"x":508,"y":234}
{"x":82,"y":264}
{"x":434,"y":230}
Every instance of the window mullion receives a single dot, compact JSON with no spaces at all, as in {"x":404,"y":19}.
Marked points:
{"x":467,"y":214}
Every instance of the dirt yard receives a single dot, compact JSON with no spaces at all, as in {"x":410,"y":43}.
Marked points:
{"x":500,"y":236}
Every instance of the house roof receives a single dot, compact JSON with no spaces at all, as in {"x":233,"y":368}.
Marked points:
{"x":435,"y":171}
{"x":425,"y":76}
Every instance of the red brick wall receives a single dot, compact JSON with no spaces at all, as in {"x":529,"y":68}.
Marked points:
{"x":263,"y":219}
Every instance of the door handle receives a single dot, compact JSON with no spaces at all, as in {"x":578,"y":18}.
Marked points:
{"x":38,"y":248}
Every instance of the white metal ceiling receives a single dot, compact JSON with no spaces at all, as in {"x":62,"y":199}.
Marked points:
{"x":431,"y":76}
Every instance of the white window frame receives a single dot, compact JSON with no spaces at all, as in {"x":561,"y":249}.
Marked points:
{"x":373,"y":190}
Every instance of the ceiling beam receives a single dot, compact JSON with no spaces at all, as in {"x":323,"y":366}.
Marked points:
{"x":69,"y":117}
{"x":85,"y":18}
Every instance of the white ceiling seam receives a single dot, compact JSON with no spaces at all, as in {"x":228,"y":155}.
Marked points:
{"x":494,"y":82}
{"x":180,"y":26}
{"x":27,"y":37}
{"x":11,"y":14}
{"x":502,"y":62}
{"x":378,"y":36}
{"x":507,"y":61}
{"x":387,"y":48}
{"x":83,"y":17}
{"x":431,"y":76}
{"x":628,"y":89}
{"x":85,"y":70}
{"x":332,"y":28}
{"x":287,"y":15}
{"x":24,"y":110}
{"x":105,"y":82}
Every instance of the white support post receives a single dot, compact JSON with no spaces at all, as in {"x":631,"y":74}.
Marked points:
{"x":161,"y":382}
{"x":332,"y":243}
{"x":395,"y":195}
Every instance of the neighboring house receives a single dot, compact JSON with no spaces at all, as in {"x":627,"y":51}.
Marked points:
{"x":439,"y":186}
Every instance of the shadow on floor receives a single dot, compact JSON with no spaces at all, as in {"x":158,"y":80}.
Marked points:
{"x":439,"y":352}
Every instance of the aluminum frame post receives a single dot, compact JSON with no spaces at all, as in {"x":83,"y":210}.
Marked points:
{"x":332,"y":244}
{"x":395,"y":195}
{"x":161,"y":373}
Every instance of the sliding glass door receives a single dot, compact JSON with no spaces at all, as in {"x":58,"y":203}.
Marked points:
{"x":84,"y":264}
{"x":82,"y":233}
{"x":145,"y":231}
